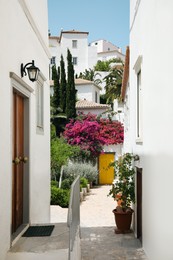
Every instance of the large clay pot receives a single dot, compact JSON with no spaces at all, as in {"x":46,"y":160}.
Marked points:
{"x":123,"y":221}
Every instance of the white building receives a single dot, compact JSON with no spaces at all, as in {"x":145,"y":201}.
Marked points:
{"x":106,"y":50}
{"x":88,"y":90}
{"x":151,"y":126}
{"x":85,"y":106}
{"x":25,"y":123}
{"x":84,"y":55}
{"x":88,"y":95}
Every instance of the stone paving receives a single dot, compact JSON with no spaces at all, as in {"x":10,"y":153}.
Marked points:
{"x":98,"y":240}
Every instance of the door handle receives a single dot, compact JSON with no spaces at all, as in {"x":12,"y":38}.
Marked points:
{"x":24,"y":159}
{"x":17,"y":160}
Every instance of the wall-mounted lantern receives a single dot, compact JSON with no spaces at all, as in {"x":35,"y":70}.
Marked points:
{"x":32,"y":71}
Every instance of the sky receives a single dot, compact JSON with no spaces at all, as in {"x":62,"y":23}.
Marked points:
{"x":103,"y":19}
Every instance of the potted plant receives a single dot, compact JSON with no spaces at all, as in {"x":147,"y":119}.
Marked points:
{"x":123,"y":191}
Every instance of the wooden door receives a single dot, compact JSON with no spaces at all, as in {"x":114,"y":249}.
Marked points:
{"x":139,"y":204}
{"x":106,"y":173}
{"x":18,"y":149}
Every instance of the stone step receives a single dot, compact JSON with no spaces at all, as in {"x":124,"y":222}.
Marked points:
{"x":51,"y":247}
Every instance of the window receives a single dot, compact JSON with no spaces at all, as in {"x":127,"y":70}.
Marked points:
{"x":138,"y":72}
{"x":138,"y":105}
{"x":96,"y":96}
{"x":52,"y":61}
{"x":39,"y":105}
{"x":74,"y":43}
{"x":74,"y":60}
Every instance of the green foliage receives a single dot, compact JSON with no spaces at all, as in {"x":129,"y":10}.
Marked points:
{"x":123,"y":188}
{"x":90,"y":75}
{"x":105,"y":65}
{"x":85,"y":170}
{"x":62,"y":85}
{"x":66,"y":184}
{"x":113,"y":84}
{"x":55,"y":102}
{"x":54,"y":183}
{"x":102,"y":66}
{"x":70,"y":89}
{"x":58,"y":118}
{"x":83,"y":182}
{"x":60,"y":197}
{"x":103,"y":99}
{"x":61,"y":152}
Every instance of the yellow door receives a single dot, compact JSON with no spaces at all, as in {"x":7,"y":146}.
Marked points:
{"x":106,"y":173}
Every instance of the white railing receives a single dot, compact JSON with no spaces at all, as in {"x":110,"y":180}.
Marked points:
{"x":73,"y":221}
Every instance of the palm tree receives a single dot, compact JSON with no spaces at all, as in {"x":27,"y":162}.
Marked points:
{"x":113,"y":83}
{"x":91,"y":75}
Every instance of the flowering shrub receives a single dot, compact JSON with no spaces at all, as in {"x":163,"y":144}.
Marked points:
{"x":91,"y":133}
{"x":123,"y":188}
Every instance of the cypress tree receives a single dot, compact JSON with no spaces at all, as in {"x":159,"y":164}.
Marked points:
{"x":56,"y":96}
{"x":71,"y":92}
{"x":62,"y":85}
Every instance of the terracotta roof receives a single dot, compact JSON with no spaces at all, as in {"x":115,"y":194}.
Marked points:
{"x":117,"y":66}
{"x":72,"y":32}
{"x":125,"y":74}
{"x":54,"y":38}
{"x":89,"y":104}
{"x":80,"y":81}
{"x":102,"y":52}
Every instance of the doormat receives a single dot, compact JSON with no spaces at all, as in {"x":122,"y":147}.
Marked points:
{"x":38,"y":231}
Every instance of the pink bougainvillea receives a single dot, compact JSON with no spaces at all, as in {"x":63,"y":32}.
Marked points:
{"x":91,"y":133}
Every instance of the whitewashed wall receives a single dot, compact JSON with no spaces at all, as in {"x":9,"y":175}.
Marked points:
{"x":21,"y":43}
{"x":87,"y":54}
{"x":81,"y":52}
{"x":92,"y":57}
{"x":127,"y":146}
{"x":103,"y":45}
{"x":116,"y":148}
{"x":103,"y":56}
{"x":152,"y":37}
{"x":87,"y":92}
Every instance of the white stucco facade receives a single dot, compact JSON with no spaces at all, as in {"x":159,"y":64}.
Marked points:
{"x":151,"y":125}
{"x":77,"y":43}
{"x":86,"y":55}
{"x":87,"y":90}
{"x":103,"y":45}
{"x":24,"y":39}
{"x":106,"y":50}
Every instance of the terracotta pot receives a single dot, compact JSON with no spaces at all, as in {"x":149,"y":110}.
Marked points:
{"x":123,"y":221}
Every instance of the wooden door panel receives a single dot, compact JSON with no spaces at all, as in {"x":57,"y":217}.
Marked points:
{"x":139,"y":204}
{"x":18,"y":144}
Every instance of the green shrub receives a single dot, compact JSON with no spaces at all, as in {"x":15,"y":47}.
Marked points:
{"x":66,"y":184}
{"x":85,"y":170}
{"x":83,"y":182}
{"x":80,"y":187}
{"x":60,"y":197}
{"x":61,"y":152}
{"x":54,"y":183}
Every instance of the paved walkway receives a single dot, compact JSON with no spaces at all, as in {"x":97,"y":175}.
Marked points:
{"x":98,"y":240}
